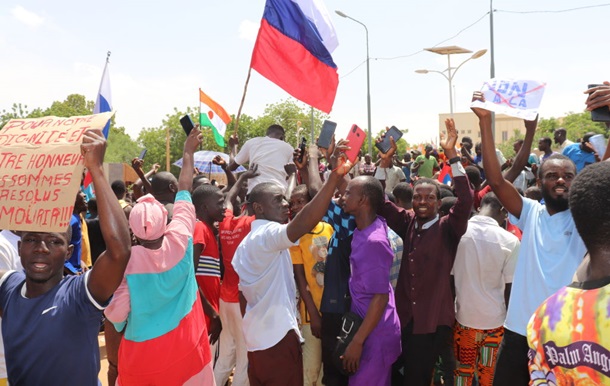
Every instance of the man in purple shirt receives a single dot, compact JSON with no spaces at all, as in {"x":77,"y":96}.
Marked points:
{"x":376,"y":345}
{"x":424,"y":300}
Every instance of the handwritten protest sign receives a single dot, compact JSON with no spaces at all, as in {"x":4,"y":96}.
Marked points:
{"x":517,"y":98}
{"x":40,"y":170}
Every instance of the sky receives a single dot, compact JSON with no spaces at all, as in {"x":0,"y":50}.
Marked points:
{"x":163,"y":51}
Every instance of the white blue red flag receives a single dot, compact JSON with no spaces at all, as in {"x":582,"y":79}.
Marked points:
{"x":293,"y":50}
{"x":103,"y":103}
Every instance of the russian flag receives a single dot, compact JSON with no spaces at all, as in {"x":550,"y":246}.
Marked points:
{"x":293,"y":50}
{"x":444,"y":177}
{"x":103,"y":102}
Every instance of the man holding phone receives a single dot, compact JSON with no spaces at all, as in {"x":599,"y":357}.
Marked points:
{"x":424,"y":301}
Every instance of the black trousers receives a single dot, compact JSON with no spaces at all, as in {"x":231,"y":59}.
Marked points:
{"x":512,"y":361}
{"x":421,"y":351}
{"x":331,"y":326}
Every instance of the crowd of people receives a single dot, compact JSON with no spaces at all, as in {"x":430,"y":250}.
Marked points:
{"x":454,"y":266}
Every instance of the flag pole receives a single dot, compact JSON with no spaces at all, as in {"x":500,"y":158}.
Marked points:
{"x":201,"y":144}
{"x":167,"y":148}
{"x":243,"y":99}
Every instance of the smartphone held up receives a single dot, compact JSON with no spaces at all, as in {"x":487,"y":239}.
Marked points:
{"x":187,"y":124}
{"x":326,"y":134}
{"x":600,"y":114}
{"x":302,"y":148}
{"x":385,"y":144}
{"x":356,"y":137}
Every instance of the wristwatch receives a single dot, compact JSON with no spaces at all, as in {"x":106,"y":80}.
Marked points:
{"x":454,"y":160}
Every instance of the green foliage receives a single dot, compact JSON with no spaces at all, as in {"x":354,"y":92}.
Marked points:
{"x":18,"y":110}
{"x":74,"y":105}
{"x":507,"y":147}
{"x":121,"y":147}
{"x":285,"y":113}
{"x":155,"y":139}
{"x":576,"y":125}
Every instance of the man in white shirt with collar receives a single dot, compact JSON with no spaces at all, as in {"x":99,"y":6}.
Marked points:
{"x":264,"y":266}
{"x":483,"y":272}
{"x":559,"y":136}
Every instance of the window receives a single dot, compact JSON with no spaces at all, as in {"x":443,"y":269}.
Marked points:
{"x":504,"y":136}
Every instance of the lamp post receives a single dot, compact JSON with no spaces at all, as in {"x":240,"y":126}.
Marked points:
{"x":450,"y":70}
{"x":492,"y":66}
{"x":368,"y":78}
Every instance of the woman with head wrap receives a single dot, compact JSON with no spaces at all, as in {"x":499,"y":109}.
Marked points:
{"x":165,"y":341}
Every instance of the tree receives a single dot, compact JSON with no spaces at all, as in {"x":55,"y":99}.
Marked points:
{"x":75,"y":104}
{"x":576,"y":125}
{"x":154,"y":139}
{"x":287,"y":114}
{"x":121,"y":147}
{"x":18,"y":110}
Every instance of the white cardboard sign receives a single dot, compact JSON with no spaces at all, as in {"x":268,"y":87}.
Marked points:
{"x":517,"y":98}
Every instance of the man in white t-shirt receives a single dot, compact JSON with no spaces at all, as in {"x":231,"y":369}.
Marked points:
{"x":483,"y":272}
{"x":264,"y":266}
{"x":270,"y":153}
{"x":390,"y":177}
{"x":551,"y":246}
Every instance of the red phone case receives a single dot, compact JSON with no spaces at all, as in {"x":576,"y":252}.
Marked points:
{"x":356,"y":137}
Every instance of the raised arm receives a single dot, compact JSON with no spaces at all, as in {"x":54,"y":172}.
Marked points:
{"x":302,"y":165}
{"x":136,"y":164}
{"x":314,"y":183}
{"x":523,"y":155}
{"x":234,"y":191}
{"x":312,"y":213}
{"x":291,"y":171}
{"x":599,"y":97}
{"x":386,"y":159}
{"x":233,"y":144}
{"x":459,"y":214}
{"x":185,"y":180}
{"x":506,"y":192}
{"x":106,"y":275}
{"x":218,"y":160}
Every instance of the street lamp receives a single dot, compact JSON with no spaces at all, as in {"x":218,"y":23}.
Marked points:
{"x":450,"y":70}
{"x":368,"y":78}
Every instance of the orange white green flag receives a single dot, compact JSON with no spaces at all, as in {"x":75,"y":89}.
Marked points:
{"x":212,"y":115}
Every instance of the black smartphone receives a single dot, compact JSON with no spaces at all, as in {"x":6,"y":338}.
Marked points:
{"x":302,"y":146}
{"x":326,"y":134}
{"x":600,"y":114}
{"x":187,"y":124}
{"x":384,"y":145}
{"x":142,"y":154}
